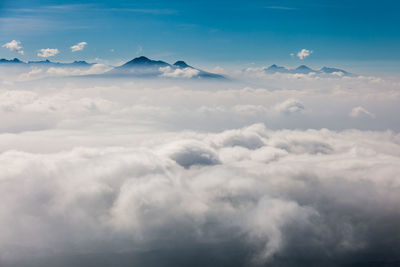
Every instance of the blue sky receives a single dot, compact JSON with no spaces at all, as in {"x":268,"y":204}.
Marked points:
{"x":208,"y":32}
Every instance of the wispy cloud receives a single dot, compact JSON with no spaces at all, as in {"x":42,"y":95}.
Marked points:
{"x":139,"y":50}
{"x":68,"y":7}
{"x":280,"y":7}
{"x":144,"y":11}
{"x":78,"y":47}
{"x":360,"y":112}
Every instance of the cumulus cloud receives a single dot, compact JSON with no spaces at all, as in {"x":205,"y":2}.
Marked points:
{"x":304,"y":53}
{"x":48,"y":52}
{"x":219,"y":191}
{"x":78,"y":47}
{"x":178,"y":73}
{"x":359,"y":112}
{"x":14,"y":46}
{"x":290,"y":106}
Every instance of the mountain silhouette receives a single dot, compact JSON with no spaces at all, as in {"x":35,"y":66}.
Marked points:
{"x":45,"y":63}
{"x":144,"y":62}
{"x":275,"y":68}
{"x":12,"y":61}
{"x":332,"y":70}
{"x":303,"y":69}
{"x":182,"y":64}
{"x":145,"y":67}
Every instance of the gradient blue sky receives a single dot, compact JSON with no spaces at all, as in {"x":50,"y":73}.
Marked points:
{"x":207,"y":32}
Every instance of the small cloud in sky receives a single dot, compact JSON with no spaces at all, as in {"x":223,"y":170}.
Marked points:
{"x":360,"y":112}
{"x":304,"y":53}
{"x":48,"y":52}
{"x":292,"y":55}
{"x":14,"y":46}
{"x":78,"y":47}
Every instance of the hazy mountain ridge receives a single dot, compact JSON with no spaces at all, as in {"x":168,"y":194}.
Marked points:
{"x":45,"y":63}
{"x":303,"y":69}
{"x":137,"y":67}
{"x":143,"y":66}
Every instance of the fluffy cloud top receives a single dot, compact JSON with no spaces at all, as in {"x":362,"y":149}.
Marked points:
{"x":178,"y":73}
{"x":135,"y":172}
{"x":14,"y":46}
{"x":242,"y":197}
{"x":78,"y":47}
{"x":48,"y":52}
{"x":290,"y":106}
{"x":304,"y":53}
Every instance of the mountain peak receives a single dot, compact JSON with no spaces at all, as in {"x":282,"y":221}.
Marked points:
{"x":332,"y":70}
{"x":81,"y":62}
{"x":144,"y":61}
{"x":275,"y":68}
{"x":303,"y":67}
{"x":141,"y":59}
{"x":182,"y":64}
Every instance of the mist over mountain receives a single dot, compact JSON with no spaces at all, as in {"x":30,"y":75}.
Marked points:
{"x":303,"y":69}
{"x":145,"y":67}
{"x":45,"y":63}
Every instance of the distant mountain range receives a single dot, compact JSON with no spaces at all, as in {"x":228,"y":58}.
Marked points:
{"x":46,"y":63}
{"x":137,"y":67}
{"x":303,"y":69}
{"x":145,"y":67}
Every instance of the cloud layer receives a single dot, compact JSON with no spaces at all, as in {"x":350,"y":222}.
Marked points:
{"x":266,"y":193}
{"x":269,"y":170}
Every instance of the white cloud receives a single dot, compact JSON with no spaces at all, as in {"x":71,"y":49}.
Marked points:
{"x":290,"y":106}
{"x":94,"y":69}
{"x":48,"y":52}
{"x":304,"y":53}
{"x":253,"y":189}
{"x":178,"y":73}
{"x":14,"y":46}
{"x":78,"y":47}
{"x":360,"y":111}
{"x":31,"y":74}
